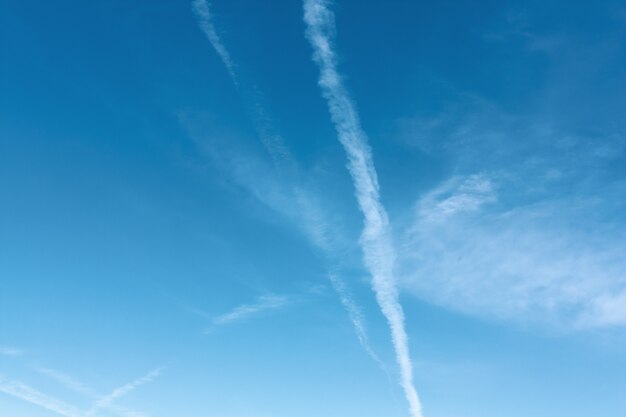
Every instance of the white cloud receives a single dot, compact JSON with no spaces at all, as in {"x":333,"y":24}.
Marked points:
{"x":67,"y":381}
{"x":557,"y":261}
{"x":606,"y":309}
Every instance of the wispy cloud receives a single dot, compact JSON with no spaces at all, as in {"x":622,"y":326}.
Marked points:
{"x":528,"y":228}
{"x":28,"y":394}
{"x":270,"y":138}
{"x":10,"y":351}
{"x":457,"y":195}
{"x":557,"y":261}
{"x":355,"y":313}
{"x":375,"y":240}
{"x":67,"y":381}
{"x":107,"y":400}
{"x":283,"y":189}
{"x":244,"y":312}
{"x":286,"y":193}
{"x":202,"y":10}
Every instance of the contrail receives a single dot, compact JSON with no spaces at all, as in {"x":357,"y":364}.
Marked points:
{"x":356,"y":317}
{"x":67,"y":381}
{"x":272,"y":141}
{"x":80,"y":388}
{"x":107,"y":400}
{"x":202,"y":9}
{"x":26,"y":393}
{"x":245,"y":311}
{"x":358,"y":323}
{"x":375,"y":240}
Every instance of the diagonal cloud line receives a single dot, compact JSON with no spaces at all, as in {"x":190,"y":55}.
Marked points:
{"x":271,"y":140}
{"x":356,"y":317}
{"x":66,"y":381}
{"x":10,"y":351}
{"x":375,"y":240}
{"x":73,"y":384}
{"x":107,"y":400}
{"x":245,"y":311}
{"x":202,"y":10}
{"x":28,"y":394}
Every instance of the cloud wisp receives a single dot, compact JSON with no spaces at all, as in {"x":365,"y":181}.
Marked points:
{"x":375,"y":240}
{"x":67,"y":381}
{"x":356,"y":317}
{"x":24,"y":392}
{"x":524,"y":263}
{"x":244,"y":312}
{"x":72,"y":384}
{"x":287,"y":194}
{"x":202,"y":10}
{"x":271,"y":140}
{"x":529,"y":228}
{"x":10,"y":351}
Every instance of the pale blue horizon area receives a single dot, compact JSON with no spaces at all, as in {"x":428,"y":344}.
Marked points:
{"x":170,"y":217}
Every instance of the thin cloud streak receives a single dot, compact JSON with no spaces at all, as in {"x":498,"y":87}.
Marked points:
{"x":30,"y":395}
{"x":272,"y":141}
{"x":202,"y":10}
{"x":356,"y":317}
{"x":107,"y":400}
{"x":375,"y":241}
{"x":355,"y":313}
{"x":10,"y":351}
{"x":246,"y":311}
{"x":73,"y":384}
{"x":308,"y":213}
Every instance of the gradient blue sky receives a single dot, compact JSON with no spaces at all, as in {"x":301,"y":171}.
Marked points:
{"x":171,"y":219}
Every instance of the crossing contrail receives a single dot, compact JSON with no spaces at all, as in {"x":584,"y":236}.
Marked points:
{"x":315,"y":225}
{"x":375,"y":240}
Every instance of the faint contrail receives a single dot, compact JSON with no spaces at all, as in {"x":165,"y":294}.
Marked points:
{"x":74,"y":385}
{"x":375,"y":240}
{"x":356,"y":317}
{"x":272,"y":141}
{"x":26,"y":393}
{"x":10,"y":351}
{"x":107,"y":400}
{"x":202,"y":9}
{"x":245,"y":311}
{"x":67,"y":381}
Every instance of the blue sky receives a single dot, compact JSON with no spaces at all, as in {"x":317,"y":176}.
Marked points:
{"x":246,"y":208}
